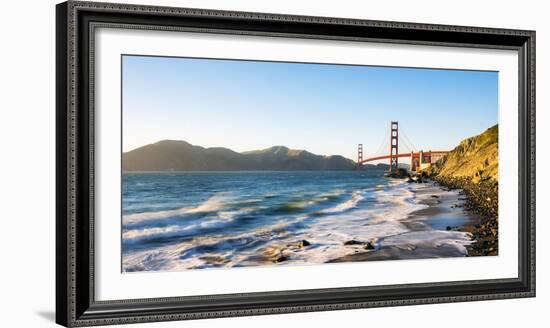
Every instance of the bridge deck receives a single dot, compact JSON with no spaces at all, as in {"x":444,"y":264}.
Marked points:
{"x":428,"y":153}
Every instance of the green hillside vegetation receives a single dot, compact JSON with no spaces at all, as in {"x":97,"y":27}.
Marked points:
{"x":475,"y":158}
{"x":173,"y":155}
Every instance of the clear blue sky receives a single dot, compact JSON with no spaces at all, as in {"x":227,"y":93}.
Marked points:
{"x":326,"y":109}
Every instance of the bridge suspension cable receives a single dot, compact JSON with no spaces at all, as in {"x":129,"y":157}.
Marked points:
{"x":406,"y":145}
{"x":382,"y":145}
{"x":407,"y":141}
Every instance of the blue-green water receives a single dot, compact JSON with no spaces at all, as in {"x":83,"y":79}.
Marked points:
{"x":181,"y":220}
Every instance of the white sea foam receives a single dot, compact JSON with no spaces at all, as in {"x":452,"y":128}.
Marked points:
{"x":218,"y":220}
{"x":214,"y":203}
{"x":381,"y":222}
{"x":432,"y":238}
{"x":168,"y":258}
{"x":341,"y":223}
{"x":345,"y":222}
{"x":356,"y":197}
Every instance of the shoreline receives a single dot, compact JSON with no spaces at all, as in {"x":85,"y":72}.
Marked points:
{"x":484,"y":229}
{"x":448,"y":210}
{"x":481,"y":198}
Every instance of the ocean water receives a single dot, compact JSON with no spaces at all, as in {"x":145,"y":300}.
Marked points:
{"x":189,"y":220}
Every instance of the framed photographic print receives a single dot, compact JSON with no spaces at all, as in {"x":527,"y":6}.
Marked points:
{"x":215,"y":163}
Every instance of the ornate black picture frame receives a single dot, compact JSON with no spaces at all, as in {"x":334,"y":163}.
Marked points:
{"x":75,"y":301}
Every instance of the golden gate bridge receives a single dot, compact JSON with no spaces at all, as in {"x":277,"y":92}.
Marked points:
{"x":418,"y":159}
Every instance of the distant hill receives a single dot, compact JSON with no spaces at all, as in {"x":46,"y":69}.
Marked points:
{"x":173,"y":155}
{"x":475,"y":158}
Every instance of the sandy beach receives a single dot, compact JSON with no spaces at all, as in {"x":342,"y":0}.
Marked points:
{"x":445,"y":213}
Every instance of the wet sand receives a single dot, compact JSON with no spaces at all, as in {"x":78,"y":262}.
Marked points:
{"x":444,"y":213}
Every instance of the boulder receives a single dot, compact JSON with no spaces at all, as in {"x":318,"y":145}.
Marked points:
{"x":299,"y":244}
{"x":400,"y":173}
{"x":353,"y":242}
{"x":369,"y":245}
{"x":304,"y":243}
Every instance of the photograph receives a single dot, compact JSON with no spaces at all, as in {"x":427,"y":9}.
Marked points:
{"x":256,"y":160}
{"x":232,"y":163}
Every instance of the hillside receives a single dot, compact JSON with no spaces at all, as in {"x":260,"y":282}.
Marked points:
{"x":475,"y":158}
{"x":473,"y":167}
{"x":283,"y":158}
{"x":172,"y":155}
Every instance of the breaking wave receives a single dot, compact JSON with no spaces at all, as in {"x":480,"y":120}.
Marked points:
{"x":254,"y":219}
{"x":214,"y":203}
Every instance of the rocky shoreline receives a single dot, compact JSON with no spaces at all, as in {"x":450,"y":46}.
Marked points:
{"x":478,"y":199}
{"x":481,"y":198}
{"x":445,"y":214}
{"x":453,"y":206}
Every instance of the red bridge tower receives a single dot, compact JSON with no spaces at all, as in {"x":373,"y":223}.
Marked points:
{"x":359,"y":156}
{"x":393,"y":146}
